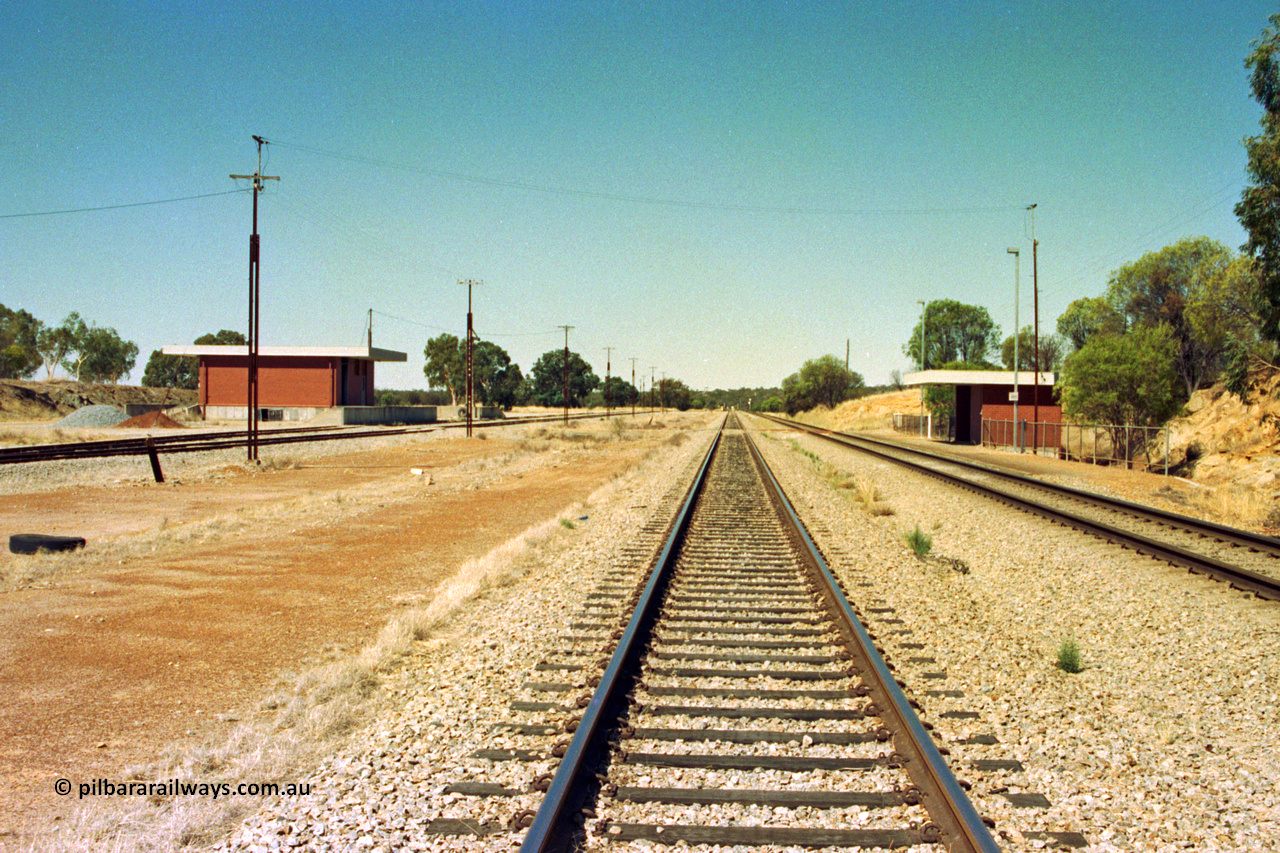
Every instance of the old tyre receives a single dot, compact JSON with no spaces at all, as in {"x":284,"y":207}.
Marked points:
{"x":32,"y":543}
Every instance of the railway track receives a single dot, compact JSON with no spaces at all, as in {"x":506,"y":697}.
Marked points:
{"x":186,"y":443}
{"x":1247,"y":561}
{"x":730,"y":695}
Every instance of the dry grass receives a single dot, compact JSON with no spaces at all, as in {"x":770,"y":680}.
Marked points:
{"x":305,"y":720}
{"x":28,"y":437}
{"x":279,"y":462}
{"x":1250,"y":509}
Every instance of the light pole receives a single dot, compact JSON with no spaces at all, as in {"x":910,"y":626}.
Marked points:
{"x":1016,"y":335}
{"x":923,"y":365}
{"x":1035,"y":367}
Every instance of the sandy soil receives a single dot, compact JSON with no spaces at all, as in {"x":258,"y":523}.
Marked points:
{"x":194,"y":599}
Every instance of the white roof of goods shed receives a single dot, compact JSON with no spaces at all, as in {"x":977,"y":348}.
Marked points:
{"x":974,"y":377}
{"x":368,"y":353}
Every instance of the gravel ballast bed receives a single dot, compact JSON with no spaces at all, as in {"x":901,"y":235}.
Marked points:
{"x":1166,"y":740}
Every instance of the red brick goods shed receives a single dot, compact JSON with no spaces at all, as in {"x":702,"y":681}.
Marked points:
{"x":984,"y":406}
{"x":294,"y":383}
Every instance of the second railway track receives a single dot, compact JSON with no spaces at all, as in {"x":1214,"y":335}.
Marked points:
{"x":1248,"y":561}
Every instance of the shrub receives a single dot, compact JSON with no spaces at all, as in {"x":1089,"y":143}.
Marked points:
{"x":1069,"y":656}
{"x":921,"y":543}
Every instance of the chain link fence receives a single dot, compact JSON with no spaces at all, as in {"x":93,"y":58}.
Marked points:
{"x":1143,"y":448}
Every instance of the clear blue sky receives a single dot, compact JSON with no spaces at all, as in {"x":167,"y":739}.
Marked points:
{"x":719,"y":190}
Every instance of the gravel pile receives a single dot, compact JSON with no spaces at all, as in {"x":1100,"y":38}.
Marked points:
{"x":93,"y":416}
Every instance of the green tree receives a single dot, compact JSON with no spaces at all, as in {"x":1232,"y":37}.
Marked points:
{"x":497,"y":379}
{"x":820,"y":381}
{"x":621,"y":393}
{"x":674,"y":394}
{"x":170,"y":371}
{"x":772,"y":404}
{"x":1126,"y":379}
{"x":19,"y":349}
{"x":1050,"y":351}
{"x":547,"y":379}
{"x":105,"y":356}
{"x":54,"y":343}
{"x":1259,"y":206}
{"x":1086,"y":317}
{"x":1161,"y":288}
{"x":953,"y":331}
{"x":446,"y":363}
{"x":221,"y":338}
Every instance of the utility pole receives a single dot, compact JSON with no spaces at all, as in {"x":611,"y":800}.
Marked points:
{"x":257,"y":178}
{"x":1035,"y":289}
{"x":608,"y":353}
{"x":370,"y":328}
{"x":662,"y":393}
{"x":633,"y":386}
{"x":470,"y":359}
{"x":652,"y":368}
{"x":923,"y":316}
{"x":1016,"y":257}
{"x":846,"y":355}
{"x":566,"y":372}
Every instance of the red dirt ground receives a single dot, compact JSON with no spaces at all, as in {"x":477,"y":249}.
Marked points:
{"x":103,"y":666}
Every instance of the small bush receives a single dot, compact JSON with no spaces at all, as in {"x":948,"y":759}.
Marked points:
{"x":921,"y":543}
{"x":1069,"y":656}
{"x":567,"y":524}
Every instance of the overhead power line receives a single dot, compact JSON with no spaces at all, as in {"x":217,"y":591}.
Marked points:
{"x":121,"y":206}
{"x":650,"y":200}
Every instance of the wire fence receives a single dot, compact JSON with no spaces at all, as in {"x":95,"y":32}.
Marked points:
{"x":1144,"y":448}
{"x":939,"y":429}
{"x":1139,"y":447}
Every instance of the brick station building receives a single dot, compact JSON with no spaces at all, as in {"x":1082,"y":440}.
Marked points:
{"x":984,"y":408}
{"x":294,"y":383}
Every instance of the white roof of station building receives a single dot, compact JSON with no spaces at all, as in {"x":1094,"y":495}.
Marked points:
{"x":974,"y":377}
{"x":368,"y":353}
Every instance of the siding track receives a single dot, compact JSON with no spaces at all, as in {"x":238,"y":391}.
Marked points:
{"x":1244,"y":560}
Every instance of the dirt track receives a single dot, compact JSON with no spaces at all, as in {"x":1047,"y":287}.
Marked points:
{"x":193,"y":600}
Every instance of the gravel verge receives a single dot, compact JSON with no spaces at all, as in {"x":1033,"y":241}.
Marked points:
{"x":1166,"y":740}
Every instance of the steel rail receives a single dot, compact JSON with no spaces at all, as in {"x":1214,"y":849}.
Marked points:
{"x":1243,"y":538}
{"x":961,"y":827}
{"x":551,"y":830}
{"x":1244,"y":579}
{"x":233,"y":439}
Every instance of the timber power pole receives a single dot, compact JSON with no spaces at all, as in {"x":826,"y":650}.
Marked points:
{"x":566,"y":373}
{"x":252,"y":398}
{"x":608,"y":353}
{"x":652,"y":368}
{"x":470,"y":358}
{"x":633,"y":386}
{"x":370,"y":328}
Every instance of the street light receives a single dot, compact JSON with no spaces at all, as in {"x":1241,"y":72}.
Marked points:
{"x":1016,"y":334}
